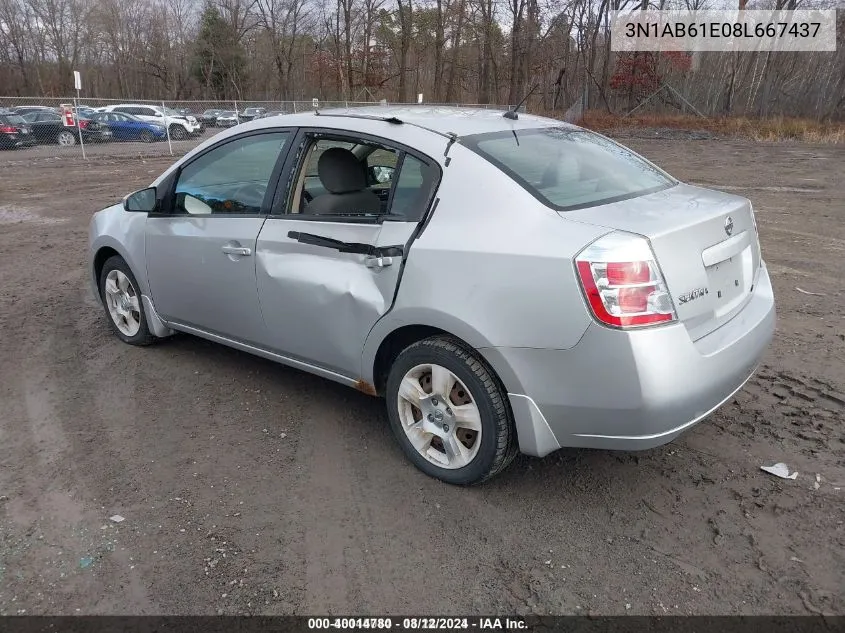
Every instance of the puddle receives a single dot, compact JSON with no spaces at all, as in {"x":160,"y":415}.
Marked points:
{"x":9,"y":215}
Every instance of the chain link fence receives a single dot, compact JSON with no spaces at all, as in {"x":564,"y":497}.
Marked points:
{"x":46,"y":127}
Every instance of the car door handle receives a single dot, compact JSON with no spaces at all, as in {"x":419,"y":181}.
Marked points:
{"x":237,"y":250}
{"x":378,"y":262}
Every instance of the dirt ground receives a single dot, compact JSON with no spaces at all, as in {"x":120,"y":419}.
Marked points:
{"x":248,"y":487}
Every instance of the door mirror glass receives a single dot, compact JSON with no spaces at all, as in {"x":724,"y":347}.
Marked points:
{"x":380,"y":174}
{"x":143,"y":200}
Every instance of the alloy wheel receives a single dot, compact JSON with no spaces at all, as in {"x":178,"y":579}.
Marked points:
{"x":122,"y":303}
{"x":439,"y":416}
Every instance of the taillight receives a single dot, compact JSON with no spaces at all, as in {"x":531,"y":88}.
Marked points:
{"x":622,"y":282}
{"x":8,"y":129}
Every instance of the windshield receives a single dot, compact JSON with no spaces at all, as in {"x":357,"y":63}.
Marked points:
{"x":211,"y":112}
{"x":227,"y":113}
{"x":13,"y":119}
{"x":568,"y":168}
{"x":171,"y":112}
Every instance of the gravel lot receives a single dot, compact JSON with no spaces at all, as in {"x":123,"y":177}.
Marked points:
{"x":248,"y":487}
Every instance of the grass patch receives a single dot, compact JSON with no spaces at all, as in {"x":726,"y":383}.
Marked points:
{"x":771,"y":129}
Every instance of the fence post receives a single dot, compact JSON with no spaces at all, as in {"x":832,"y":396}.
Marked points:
{"x":79,"y":124}
{"x":294,"y":107}
{"x":166,"y":127}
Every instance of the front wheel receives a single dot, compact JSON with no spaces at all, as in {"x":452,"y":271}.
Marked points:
{"x":178,"y":133}
{"x":449,"y":412}
{"x":147,"y":136}
{"x":122,"y":302}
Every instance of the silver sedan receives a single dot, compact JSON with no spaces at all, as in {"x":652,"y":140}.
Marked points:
{"x":506,"y":283}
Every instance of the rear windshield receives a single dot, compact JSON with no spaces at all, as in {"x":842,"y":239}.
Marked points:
{"x":12,"y":119}
{"x":569,"y":169}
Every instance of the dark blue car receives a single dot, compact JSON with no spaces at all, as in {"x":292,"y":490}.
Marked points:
{"x":126,"y":127}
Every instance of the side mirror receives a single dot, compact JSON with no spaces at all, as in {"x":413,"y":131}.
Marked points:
{"x":380,"y":174}
{"x":143,"y":200}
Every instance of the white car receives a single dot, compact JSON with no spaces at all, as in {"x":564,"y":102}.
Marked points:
{"x":179,"y":127}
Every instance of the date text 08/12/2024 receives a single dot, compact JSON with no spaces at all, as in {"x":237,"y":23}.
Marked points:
{"x":419,"y":623}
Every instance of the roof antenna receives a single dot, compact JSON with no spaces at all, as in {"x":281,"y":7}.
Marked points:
{"x":511,"y":114}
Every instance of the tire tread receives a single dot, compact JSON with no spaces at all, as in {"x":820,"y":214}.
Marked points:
{"x":507,"y":446}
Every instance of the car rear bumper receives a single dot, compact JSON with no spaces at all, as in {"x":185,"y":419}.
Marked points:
{"x":632,"y":389}
{"x":97,"y":136}
{"x":18,"y":140}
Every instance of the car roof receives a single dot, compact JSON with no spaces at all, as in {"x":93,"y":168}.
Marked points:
{"x":439,"y":119}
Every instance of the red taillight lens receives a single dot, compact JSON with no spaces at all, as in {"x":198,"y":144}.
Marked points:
{"x":624,"y":273}
{"x":623,"y":291}
{"x":8,"y":129}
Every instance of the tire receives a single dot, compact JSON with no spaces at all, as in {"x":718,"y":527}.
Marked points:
{"x":66,"y":139}
{"x":481,"y":458}
{"x":177,"y":132}
{"x":146,"y":136}
{"x":115,"y":266}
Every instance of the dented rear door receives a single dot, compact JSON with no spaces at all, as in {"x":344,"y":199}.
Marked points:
{"x":324,"y":284}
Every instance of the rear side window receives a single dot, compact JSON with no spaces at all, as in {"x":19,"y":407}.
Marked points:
{"x":569,"y":169}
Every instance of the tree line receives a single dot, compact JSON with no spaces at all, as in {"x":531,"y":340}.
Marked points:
{"x":468,"y":51}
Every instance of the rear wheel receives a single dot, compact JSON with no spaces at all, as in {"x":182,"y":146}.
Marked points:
{"x":177,"y":132}
{"x":122,"y":302}
{"x":66,"y":139}
{"x":449,"y":413}
{"x":147,"y":136}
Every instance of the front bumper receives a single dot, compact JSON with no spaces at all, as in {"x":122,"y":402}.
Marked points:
{"x":632,"y":389}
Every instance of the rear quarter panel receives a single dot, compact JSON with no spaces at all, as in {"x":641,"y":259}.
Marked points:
{"x":493,"y":266}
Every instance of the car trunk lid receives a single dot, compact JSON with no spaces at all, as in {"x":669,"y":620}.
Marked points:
{"x":705,"y":243}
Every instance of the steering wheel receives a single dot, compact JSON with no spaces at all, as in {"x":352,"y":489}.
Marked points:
{"x":250,"y":194}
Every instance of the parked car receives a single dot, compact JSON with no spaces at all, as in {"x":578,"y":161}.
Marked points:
{"x":272,"y":113}
{"x":21,"y":110}
{"x":251,"y":113}
{"x":15,"y":132}
{"x":49,"y":127}
{"x":179,"y":127}
{"x":84,"y":111}
{"x":506,"y":283}
{"x":125,"y":127}
{"x":228,"y":118}
{"x":209,"y":117}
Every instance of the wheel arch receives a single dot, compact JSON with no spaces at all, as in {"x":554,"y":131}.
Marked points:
{"x":100,"y":258}
{"x":394,"y":333}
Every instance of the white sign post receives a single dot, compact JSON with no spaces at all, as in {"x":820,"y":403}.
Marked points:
{"x":419,"y":98}
{"x":77,"y":84}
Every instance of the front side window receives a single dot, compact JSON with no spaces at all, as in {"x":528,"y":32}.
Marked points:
{"x":569,"y":168}
{"x":230,"y":179}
